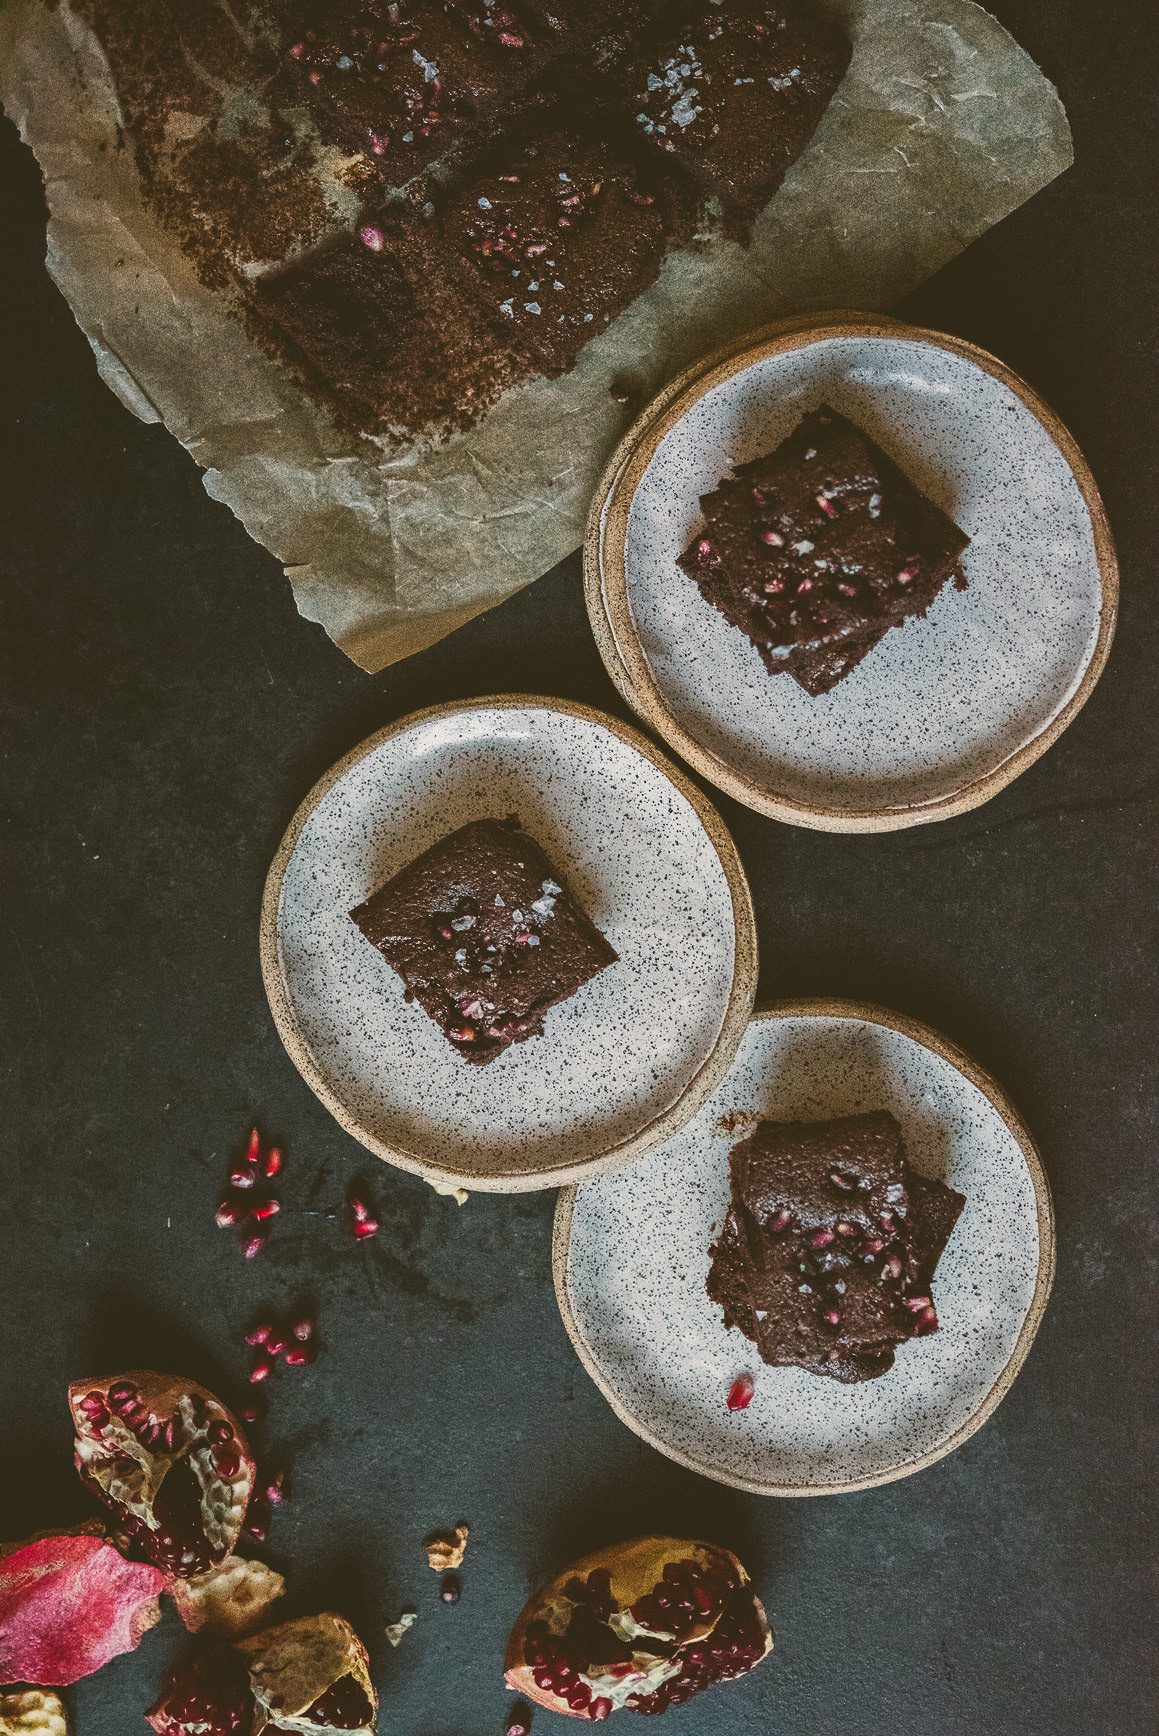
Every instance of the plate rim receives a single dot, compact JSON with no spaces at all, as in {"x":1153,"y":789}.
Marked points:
{"x":609,"y":610}
{"x":703,"y":1082}
{"x":866,"y":1012}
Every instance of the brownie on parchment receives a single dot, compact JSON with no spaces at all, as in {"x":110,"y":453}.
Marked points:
{"x":817,"y":549}
{"x":557,"y":236}
{"x":735,"y":93}
{"x":827,"y":1252}
{"x":485,"y":937}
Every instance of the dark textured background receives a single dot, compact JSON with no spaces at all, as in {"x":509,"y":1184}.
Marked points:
{"x":166,"y":709}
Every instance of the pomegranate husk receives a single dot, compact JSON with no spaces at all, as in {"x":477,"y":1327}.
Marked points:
{"x":230,"y":1599}
{"x":634,"y":1571}
{"x":292,"y":1666}
{"x":31,"y":1713}
{"x":69,"y":1601}
{"x":129,"y":1473}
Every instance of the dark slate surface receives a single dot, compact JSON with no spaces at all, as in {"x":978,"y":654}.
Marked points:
{"x":165,"y":711}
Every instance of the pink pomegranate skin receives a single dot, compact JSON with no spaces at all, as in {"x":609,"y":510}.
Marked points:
{"x":169,"y":1461}
{"x":639,"y":1626}
{"x":68,"y":1603}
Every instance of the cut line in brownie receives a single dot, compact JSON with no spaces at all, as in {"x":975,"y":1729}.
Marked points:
{"x":735,"y":93}
{"x":817,"y":549}
{"x":485,"y":936}
{"x":826,"y":1255}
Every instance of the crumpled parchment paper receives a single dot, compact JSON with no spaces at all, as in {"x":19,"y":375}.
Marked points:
{"x":942,"y":126}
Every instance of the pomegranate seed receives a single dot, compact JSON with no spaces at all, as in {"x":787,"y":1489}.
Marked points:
{"x":261,"y":1370}
{"x":304,"y":1329}
{"x":219,"y":1432}
{"x":773,"y":538}
{"x":909,"y":573}
{"x":372,"y":237}
{"x":927,"y":1321}
{"x":845,"y":1228}
{"x":820,"y":1238}
{"x":831,"y":1315}
{"x":518,"y":1721}
{"x":893,"y":1265}
{"x":917,"y":1303}
{"x":267,"y":1209}
{"x":804,"y":585}
{"x":252,"y":1413}
{"x":228,"y":1465}
{"x":772,"y":586}
{"x":461,"y":1033}
{"x":122,"y":1396}
{"x":274,"y":1491}
{"x":887,"y":1223}
{"x":253,"y":1245}
{"x":779,"y":1219}
{"x":275,"y":1344}
{"x":703,"y":551}
{"x":241,"y":1178}
{"x":298,"y":1357}
{"x":361,"y":1211}
{"x":173,"y":1431}
{"x":92,"y":1402}
{"x":873,"y":1245}
{"x":740,"y":1393}
{"x":368,"y":1227}
{"x":254,"y":1148}
{"x":842,"y":1181}
{"x":600,"y":1709}
{"x":259,"y":1334}
{"x":228,"y":1213}
{"x":273,"y":1162}
{"x":827,"y":506}
{"x":451,"y":1589}
{"x":257,"y":1528}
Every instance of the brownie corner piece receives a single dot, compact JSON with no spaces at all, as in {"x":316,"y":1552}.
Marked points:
{"x":815,"y":550}
{"x":557,"y":235}
{"x":826,"y":1256}
{"x":484,"y":936}
{"x":735,"y":93}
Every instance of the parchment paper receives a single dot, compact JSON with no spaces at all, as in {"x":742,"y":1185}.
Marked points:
{"x":942,"y":126}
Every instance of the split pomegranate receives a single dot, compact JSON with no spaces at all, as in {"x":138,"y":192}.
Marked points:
{"x":642,"y":1626}
{"x":69,"y":1601}
{"x":309,"y":1675}
{"x":169,"y":1461}
{"x":231,"y":1599}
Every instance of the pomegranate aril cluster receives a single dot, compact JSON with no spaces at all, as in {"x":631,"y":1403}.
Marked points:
{"x":249,"y":1201}
{"x":295,"y":1344}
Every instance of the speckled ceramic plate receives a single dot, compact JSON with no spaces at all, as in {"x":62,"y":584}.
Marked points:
{"x":624,"y":1062}
{"x":631,"y":1259}
{"x":944,"y":711}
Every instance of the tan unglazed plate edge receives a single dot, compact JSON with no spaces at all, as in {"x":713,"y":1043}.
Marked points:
{"x":698,"y":1089}
{"x":978,"y":1077}
{"x":610,"y":613}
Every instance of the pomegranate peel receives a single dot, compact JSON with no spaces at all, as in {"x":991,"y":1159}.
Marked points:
{"x":69,"y":1601}
{"x":643,"y":1625}
{"x":31,"y":1713}
{"x":445,"y":1549}
{"x":312,"y":1676}
{"x":231,"y":1599}
{"x":170,"y":1462}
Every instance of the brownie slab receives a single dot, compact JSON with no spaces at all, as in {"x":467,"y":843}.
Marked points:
{"x":817,"y":549}
{"x":735,"y":94}
{"x":558,"y":237}
{"x":827,"y":1252}
{"x":485,"y":937}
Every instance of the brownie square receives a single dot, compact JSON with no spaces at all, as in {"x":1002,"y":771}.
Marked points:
{"x":485,"y":936}
{"x":557,"y":237}
{"x":735,"y":94}
{"x":380,"y":325}
{"x":829,"y":1245}
{"x":407,"y":83}
{"x":815,"y":550}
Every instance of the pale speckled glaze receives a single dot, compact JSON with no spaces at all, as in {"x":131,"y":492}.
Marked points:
{"x":940,"y":702}
{"x":639,"y":1255}
{"x":629,"y":845}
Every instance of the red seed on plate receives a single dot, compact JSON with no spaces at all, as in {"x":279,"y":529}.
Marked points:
{"x":367,"y":1227}
{"x":267,"y":1209}
{"x":273,"y":1162}
{"x":273,"y":1490}
{"x":299,"y":1355}
{"x":228,"y":1213}
{"x":261,"y":1370}
{"x":773,"y":538}
{"x":827,"y":506}
{"x":253,"y":1245}
{"x":254,"y":1148}
{"x":275,"y":1344}
{"x":259,"y":1334}
{"x":239,"y":1177}
{"x":360,"y":1210}
{"x":740,"y":1392}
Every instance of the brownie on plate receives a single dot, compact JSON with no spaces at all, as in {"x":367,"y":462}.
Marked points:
{"x":485,"y":937}
{"x":827,"y":1253}
{"x":557,"y":236}
{"x":736,"y":92}
{"x":817,"y":549}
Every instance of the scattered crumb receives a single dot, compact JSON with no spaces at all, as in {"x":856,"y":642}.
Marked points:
{"x":395,"y":1629}
{"x":445,"y":1549}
